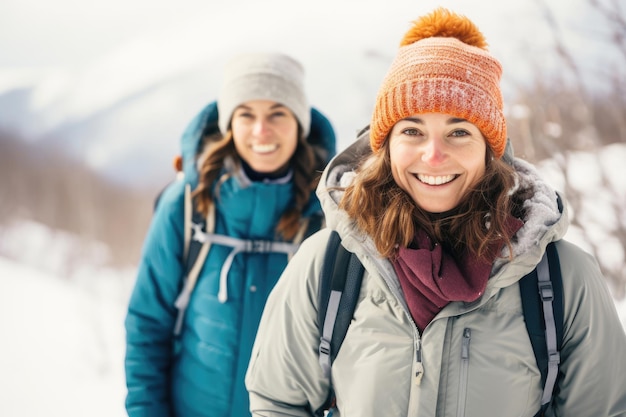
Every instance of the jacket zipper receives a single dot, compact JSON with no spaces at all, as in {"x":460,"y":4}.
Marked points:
{"x":419,"y":367}
{"x":465,"y":349}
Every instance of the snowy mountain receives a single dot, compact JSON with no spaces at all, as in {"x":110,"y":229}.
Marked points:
{"x":115,"y":85}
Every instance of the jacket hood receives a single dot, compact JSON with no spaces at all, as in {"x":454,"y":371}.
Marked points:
{"x":321,"y":136}
{"x":546,"y":216}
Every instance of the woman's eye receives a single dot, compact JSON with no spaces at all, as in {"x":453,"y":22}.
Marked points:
{"x":411,"y":131}
{"x":460,"y":133}
{"x":278,"y":114}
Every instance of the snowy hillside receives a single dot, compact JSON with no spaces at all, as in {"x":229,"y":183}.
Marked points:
{"x":63,"y":336}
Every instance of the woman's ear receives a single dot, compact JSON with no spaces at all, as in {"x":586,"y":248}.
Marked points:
{"x":178,"y":163}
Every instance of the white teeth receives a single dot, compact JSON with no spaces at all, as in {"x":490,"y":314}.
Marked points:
{"x":430,"y":180}
{"x":264,"y":148}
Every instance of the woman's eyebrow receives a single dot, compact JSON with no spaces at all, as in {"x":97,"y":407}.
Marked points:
{"x":450,"y":121}
{"x":414,"y":120}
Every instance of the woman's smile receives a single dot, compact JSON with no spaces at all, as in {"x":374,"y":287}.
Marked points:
{"x":264,"y":148}
{"x":435,"y":180}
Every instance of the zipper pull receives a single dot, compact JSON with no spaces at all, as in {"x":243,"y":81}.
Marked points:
{"x":419,"y":367}
{"x":467,"y":334}
{"x":419,"y":372}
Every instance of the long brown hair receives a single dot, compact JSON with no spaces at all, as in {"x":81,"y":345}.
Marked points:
{"x":219,"y":148}
{"x":389,"y":215}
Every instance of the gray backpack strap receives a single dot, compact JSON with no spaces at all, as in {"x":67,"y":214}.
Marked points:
{"x":542,"y":303}
{"x":327,"y":331}
{"x":197,"y":243}
{"x":191,"y":277}
{"x":338,"y":293}
{"x":328,"y":302}
{"x":239,"y":246}
{"x":546,"y":292}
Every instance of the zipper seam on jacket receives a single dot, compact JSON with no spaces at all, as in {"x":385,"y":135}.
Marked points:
{"x":465,"y":350}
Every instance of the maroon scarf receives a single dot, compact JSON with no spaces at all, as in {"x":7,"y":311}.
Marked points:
{"x":431,"y":277}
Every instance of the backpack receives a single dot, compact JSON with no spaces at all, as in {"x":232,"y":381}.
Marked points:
{"x":199,"y":236}
{"x":542,"y":304}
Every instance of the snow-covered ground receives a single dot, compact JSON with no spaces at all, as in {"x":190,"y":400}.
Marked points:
{"x":63,"y":335}
{"x":62,"y":343}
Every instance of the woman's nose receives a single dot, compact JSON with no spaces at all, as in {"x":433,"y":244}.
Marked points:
{"x":260,"y":127}
{"x":434,"y":152}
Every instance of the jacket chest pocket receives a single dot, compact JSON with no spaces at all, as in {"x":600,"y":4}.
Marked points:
{"x":492,"y":374}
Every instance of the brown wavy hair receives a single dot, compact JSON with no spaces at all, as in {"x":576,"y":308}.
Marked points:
{"x":389,"y":215}
{"x":218,"y":148}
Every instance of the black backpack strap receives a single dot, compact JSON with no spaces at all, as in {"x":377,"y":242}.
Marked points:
{"x":542,"y":303}
{"x":339,"y":288}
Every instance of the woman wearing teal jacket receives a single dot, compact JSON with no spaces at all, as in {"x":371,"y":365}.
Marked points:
{"x":252,"y":160}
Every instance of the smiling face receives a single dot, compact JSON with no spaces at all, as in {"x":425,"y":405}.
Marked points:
{"x":436,"y":158}
{"x":265,"y":134}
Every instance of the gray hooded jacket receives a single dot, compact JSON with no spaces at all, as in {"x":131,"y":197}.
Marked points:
{"x":473,"y":359}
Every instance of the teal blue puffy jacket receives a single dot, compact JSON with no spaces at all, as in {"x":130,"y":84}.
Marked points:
{"x":201,"y":373}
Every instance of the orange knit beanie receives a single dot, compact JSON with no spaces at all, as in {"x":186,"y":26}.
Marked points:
{"x":442,"y":66}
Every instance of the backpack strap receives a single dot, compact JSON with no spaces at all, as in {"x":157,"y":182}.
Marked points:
{"x":338,"y":293}
{"x":188,"y":210}
{"x":194,"y":253}
{"x":542,"y":303}
{"x":199,"y":236}
{"x":238,"y":246}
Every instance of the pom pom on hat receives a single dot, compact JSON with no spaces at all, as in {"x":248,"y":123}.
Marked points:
{"x":442,"y":66}
{"x":443,"y":24}
{"x":263,"y":76}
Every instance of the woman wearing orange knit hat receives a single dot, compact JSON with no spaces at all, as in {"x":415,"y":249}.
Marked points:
{"x":450,"y":230}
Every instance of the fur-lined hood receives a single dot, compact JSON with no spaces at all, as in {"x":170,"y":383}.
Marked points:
{"x":546,"y":219}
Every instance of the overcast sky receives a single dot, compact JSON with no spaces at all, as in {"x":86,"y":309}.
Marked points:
{"x":44,"y":33}
{"x":107,"y":49}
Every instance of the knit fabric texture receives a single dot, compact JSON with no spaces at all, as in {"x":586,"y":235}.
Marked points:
{"x":442,"y":74}
{"x":263,"y":76}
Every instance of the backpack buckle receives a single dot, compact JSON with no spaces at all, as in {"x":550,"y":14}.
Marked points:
{"x":198,"y":234}
{"x":324,"y":348}
{"x":545,"y":291}
{"x":258,"y":246}
{"x":554,"y":358}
